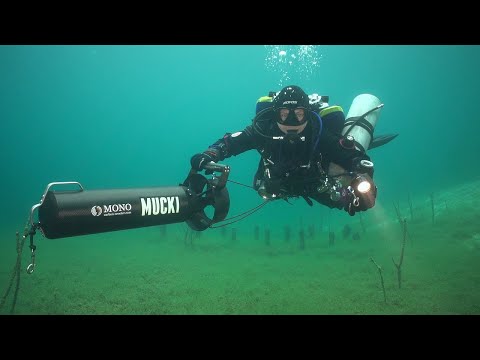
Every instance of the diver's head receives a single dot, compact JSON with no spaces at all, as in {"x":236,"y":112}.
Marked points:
{"x":292,"y":109}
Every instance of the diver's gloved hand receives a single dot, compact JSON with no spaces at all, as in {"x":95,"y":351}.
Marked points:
{"x":366,"y":200}
{"x":198,"y":161}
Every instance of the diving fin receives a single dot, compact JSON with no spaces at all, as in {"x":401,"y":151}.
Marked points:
{"x":381,"y":140}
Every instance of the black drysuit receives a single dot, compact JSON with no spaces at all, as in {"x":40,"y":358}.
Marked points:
{"x":294,"y":166}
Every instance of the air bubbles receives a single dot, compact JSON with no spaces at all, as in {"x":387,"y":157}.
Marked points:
{"x":292,"y":62}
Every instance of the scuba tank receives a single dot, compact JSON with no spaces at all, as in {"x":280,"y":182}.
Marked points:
{"x":361,"y":120}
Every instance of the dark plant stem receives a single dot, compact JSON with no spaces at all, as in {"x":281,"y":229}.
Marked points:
{"x":381,"y":279}
{"x":399,"y":265}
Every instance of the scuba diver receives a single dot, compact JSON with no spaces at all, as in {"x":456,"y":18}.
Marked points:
{"x":300,"y":156}
{"x":307,"y":149}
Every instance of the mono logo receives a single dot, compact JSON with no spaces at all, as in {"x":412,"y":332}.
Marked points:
{"x":96,"y":210}
{"x":160,"y":205}
{"x":111,"y":210}
{"x":115,"y":208}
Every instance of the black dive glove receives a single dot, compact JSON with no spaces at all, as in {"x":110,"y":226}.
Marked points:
{"x":365,"y":200}
{"x":198,"y":161}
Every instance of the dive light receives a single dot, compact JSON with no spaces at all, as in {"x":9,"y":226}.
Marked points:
{"x":361,"y":184}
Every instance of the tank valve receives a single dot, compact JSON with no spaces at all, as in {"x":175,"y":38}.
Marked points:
{"x":348,"y":142}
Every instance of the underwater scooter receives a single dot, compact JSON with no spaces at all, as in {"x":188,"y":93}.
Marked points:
{"x":69,"y":213}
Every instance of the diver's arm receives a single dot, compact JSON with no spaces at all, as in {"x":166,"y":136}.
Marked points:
{"x":350,"y":159}
{"x":336,"y":152}
{"x":229,"y":145}
{"x":232,"y":144}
